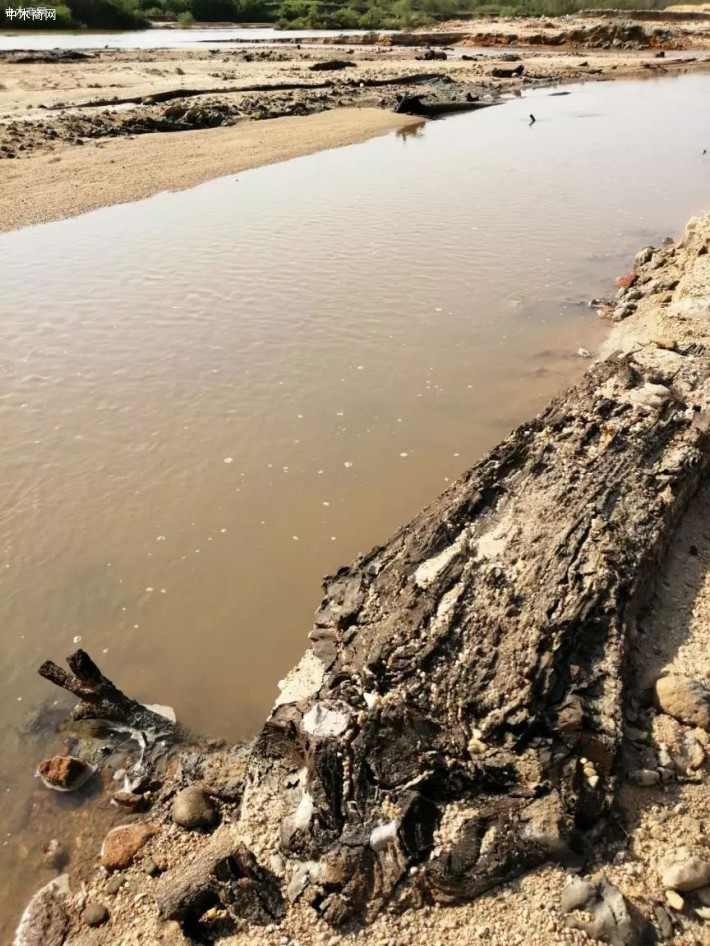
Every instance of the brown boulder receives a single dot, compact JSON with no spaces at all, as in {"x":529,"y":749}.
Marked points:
{"x":685,"y":699}
{"x":123,"y":843}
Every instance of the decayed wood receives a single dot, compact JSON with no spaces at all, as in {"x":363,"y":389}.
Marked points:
{"x":224,"y":872}
{"x":100,"y":698}
{"x":458,"y":717}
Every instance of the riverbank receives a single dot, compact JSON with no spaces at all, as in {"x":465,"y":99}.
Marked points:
{"x":83,"y":130}
{"x":261,"y":875}
{"x":54,"y":186}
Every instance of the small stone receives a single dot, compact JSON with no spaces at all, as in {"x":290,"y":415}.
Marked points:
{"x":123,"y":843}
{"x":682,"y":871}
{"x":114,"y":884}
{"x":644,"y":777}
{"x":94,"y":914}
{"x":150,"y":867}
{"x":130,"y":801}
{"x":627,"y":281}
{"x":193,"y":808}
{"x":685,"y":699}
{"x":55,"y":854}
{"x":674,"y":900}
{"x":703,"y":912}
{"x":64,"y":773}
{"x":665,"y":924}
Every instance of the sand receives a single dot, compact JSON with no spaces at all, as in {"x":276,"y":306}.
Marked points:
{"x":52,"y":186}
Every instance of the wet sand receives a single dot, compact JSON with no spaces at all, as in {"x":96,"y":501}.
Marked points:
{"x":50,"y":186}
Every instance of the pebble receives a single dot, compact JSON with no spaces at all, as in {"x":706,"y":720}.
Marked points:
{"x":150,"y":867}
{"x":55,"y":854}
{"x":674,"y":900}
{"x":114,"y":884}
{"x":193,"y":808}
{"x":95,"y":914}
{"x":665,"y":924}
{"x":645,"y":777}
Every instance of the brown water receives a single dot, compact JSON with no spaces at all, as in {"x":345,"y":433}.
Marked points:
{"x":211,"y":399}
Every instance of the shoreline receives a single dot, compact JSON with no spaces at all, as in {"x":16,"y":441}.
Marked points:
{"x":287,"y":865}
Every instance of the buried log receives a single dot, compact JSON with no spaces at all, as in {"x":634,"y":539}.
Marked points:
{"x":500,"y":72}
{"x":168,"y":95}
{"x":415,"y":105}
{"x":458,"y":716}
{"x":100,"y":698}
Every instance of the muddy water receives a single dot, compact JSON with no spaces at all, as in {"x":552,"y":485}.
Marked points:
{"x":211,"y":399}
{"x":157,"y":38}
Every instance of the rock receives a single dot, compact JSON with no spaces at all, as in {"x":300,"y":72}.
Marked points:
{"x":680,"y":870}
{"x":703,"y":912}
{"x":627,"y":281}
{"x":645,"y":777}
{"x":611,"y":920}
{"x":644,"y":256}
{"x":150,"y":867}
{"x":45,"y":922}
{"x":114,"y":884}
{"x":64,"y":773}
{"x":665,"y":924}
{"x":94,"y":914}
{"x":193,"y":808}
{"x":692,"y":754}
{"x":703,"y":895}
{"x":685,"y":699}
{"x":123,"y":843}
{"x":576,"y":895}
{"x":55,"y":854}
{"x":674,"y":900}
{"x":130,"y":801}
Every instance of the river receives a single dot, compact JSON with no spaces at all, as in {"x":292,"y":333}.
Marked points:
{"x":212,"y":398}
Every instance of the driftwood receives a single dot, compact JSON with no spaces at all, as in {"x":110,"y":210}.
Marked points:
{"x":458,"y":717}
{"x":100,"y":698}
{"x":500,"y":72}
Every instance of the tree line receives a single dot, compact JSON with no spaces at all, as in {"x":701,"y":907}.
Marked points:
{"x":291,"y":14}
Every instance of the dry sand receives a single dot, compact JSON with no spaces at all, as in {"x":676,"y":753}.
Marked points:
{"x":51,"y":186}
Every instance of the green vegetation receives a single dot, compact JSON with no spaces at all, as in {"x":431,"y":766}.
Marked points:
{"x":293,"y":14}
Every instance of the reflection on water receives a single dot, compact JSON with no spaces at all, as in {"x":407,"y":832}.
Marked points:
{"x":210,"y":399}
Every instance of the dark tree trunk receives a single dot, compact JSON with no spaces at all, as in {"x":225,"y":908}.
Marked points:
{"x":458,"y":717}
{"x":100,"y":698}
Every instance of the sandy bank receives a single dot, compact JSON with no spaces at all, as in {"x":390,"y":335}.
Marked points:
{"x":47,"y":187}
